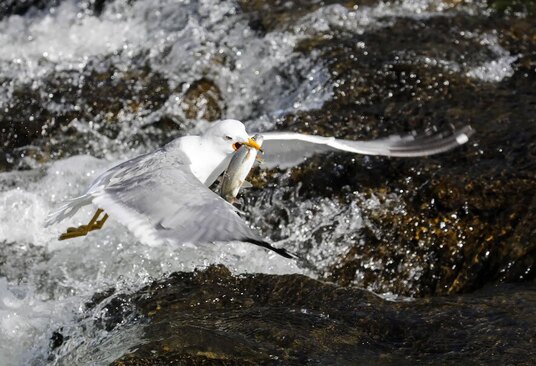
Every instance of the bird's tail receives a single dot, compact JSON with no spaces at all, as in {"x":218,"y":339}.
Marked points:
{"x":68,"y":209}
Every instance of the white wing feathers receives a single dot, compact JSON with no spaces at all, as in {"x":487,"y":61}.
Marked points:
{"x":285,"y":149}
{"x":161,"y":200}
{"x":171,"y":204}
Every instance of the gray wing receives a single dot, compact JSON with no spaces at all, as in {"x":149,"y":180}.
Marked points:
{"x":285,"y":149}
{"x":160,"y":200}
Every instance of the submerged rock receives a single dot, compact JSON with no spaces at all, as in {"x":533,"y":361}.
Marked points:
{"x":214,"y":318}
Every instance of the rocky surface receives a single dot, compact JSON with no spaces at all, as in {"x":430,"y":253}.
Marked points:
{"x":36,"y":127}
{"x":462,"y":218}
{"x":213,"y":318}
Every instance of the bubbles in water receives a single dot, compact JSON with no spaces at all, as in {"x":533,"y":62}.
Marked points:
{"x":494,"y":70}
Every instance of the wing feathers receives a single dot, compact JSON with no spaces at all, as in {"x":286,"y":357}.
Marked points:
{"x":160,"y":201}
{"x":285,"y":149}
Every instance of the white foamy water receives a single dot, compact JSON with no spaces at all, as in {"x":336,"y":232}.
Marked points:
{"x":64,"y":38}
{"x":497,"y":69}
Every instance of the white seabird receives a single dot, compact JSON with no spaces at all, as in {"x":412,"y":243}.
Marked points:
{"x":164,"y":196}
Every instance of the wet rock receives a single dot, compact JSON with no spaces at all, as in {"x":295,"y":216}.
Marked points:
{"x":444,"y":224}
{"x":512,"y":6}
{"x":101,"y":102}
{"x":203,"y":100}
{"x":97,"y":102}
{"x":213,"y":318}
{"x":276,"y":14}
{"x":56,"y":340}
{"x":20,"y":7}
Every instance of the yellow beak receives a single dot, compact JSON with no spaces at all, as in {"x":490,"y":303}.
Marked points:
{"x":252,"y":143}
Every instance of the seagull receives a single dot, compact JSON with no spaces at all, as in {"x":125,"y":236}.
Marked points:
{"x":164,"y":196}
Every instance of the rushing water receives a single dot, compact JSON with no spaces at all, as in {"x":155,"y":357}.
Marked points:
{"x":259,"y":77}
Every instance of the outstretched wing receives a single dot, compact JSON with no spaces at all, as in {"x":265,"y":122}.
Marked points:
{"x":285,"y":149}
{"x":159,"y":200}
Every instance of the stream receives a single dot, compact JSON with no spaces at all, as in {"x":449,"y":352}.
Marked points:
{"x":403,"y":261}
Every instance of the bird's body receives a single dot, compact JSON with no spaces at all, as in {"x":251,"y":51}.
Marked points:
{"x":163,"y":196}
{"x":206,"y":166}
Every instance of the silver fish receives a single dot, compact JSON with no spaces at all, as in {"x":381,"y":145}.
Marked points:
{"x":235,"y":175}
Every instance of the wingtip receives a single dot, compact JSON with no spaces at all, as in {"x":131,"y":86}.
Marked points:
{"x":281,"y":251}
{"x":463,"y":134}
{"x":462,"y":139}
{"x":285,"y":253}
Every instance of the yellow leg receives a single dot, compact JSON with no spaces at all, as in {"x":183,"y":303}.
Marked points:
{"x":98,"y":224}
{"x":95,"y":217}
{"x":93,"y":224}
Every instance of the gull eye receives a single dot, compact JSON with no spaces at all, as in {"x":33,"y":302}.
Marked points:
{"x":228,"y":138}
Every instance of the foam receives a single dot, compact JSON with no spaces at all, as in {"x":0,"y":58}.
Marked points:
{"x":65,"y":37}
{"x":497,"y":69}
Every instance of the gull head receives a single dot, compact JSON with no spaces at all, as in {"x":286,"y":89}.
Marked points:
{"x":228,"y":135}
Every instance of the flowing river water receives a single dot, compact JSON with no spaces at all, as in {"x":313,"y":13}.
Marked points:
{"x":403,"y":261}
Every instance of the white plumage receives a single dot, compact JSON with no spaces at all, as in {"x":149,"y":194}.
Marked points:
{"x":285,"y":149}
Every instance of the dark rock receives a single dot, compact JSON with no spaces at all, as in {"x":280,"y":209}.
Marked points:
{"x":33,"y":126}
{"x":461,"y":219}
{"x":20,"y":7}
{"x":214,"y":318}
{"x":203,"y":100}
{"x":509,"y":7}
{"x":277,"y":14}
{"x":56,"y":340}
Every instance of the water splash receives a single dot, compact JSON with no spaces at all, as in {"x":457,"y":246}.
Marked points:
{"x":494,"y":70}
